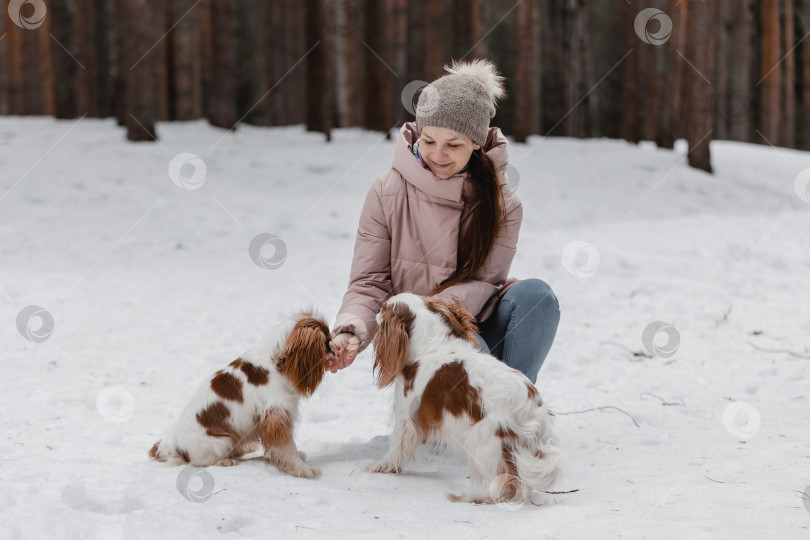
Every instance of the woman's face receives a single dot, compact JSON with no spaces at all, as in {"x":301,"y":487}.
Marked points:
{"x":445,"y":151}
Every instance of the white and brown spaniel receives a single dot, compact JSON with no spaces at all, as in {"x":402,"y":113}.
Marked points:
{"x":449,"y":392}
{"x":254,"y":399}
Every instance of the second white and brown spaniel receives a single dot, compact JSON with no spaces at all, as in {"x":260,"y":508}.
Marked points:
{"x":254,"y":400}
{"x":449,"y":392}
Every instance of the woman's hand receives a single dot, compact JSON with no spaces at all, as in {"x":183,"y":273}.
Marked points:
{"x":345,"y":347}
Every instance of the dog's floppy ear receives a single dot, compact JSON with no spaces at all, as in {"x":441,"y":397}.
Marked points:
{"x":391,"y":342}
{"x":461,"y":323}
{"x":303,"y":357}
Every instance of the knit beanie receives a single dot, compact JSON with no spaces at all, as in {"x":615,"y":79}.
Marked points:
{"x":464,"y":100}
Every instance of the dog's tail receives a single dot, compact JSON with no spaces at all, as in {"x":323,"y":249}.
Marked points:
{"x":540,"y":466}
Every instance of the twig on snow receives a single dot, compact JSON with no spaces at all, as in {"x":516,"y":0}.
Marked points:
{"x":600,"y":408}
{"x":663,"y":401}
{"x":786,"y":351}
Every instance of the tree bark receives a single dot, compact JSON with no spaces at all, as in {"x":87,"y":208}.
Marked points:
{"x":700,"y":50}
{"x":741,"y":86}
{"x":804,"y":125}
{"x":319,"y":72}
{"x":722,"y":74}
{"x":139,"y":69}
{"x":3,"y":62}
{"x":381,"y":80}
{"x":788,"y":123}
{"x":64,"y":65}
{"x":526,"y":86}
{"x":186,"y":59}
{"x":355,"y":48}
{"x":466,"y":33}
{"x":771,"y":74}
{"x":224,"y":73}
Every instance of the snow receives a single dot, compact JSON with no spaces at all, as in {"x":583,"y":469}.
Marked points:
{"x":151,"y":289}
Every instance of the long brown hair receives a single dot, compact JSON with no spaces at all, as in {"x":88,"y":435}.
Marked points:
{"x":481,"y":222}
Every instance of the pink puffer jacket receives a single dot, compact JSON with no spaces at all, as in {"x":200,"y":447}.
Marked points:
{"x":408,"y":237}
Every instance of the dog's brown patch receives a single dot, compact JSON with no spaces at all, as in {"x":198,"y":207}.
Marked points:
{"x":153,"y":452}
{"x":303,"y":357}
{"x":391,"y":342}
{"x":256,"y":375}
{"x":408,"y":375}
{"x":236,"y":363}
{"x":214,"y":419}
{"x":226,"y":386}
{"x":276,"y":428}
{"x":458,"y":319}
{"x":505,"y":433}
{"x":448,"y":390}
{"x":183,"y":455}
{"x":532,"y":390}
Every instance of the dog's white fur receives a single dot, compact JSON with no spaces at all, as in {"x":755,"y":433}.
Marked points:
{"x":216,"y":428}
{"x":505,"y":430}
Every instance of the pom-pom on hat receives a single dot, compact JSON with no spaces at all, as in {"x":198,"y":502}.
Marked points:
{"x":463,"y":100}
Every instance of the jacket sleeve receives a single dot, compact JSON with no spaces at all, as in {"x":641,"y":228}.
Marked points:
{"x":370,"y":278}
{"x":474,"y":294}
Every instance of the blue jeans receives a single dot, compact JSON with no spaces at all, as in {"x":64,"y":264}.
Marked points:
{"x":522,"y":328}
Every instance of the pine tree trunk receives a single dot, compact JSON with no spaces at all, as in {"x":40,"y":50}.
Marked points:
{"x":670,"y":119}
{"x":381,"y":81}
{"x":526,"y":84}
{"x":27,"y":50}
{"x":63,"y":65}
{"x":399,"y":52}
{"x":700,"y":50}
{"x":741,"y":86}
{"x":186,"y":56}
{"x":804,"y":125}
{"x":224,"y":73}
{"x":631,"y":77}
{"x":722,"y":74}
{"x":319,"y":80}
{"x":788,"y":123}
{"x":3,"y":63}
{"x":139,"y":69}
{"x":349,"y":27}
{"x":771,"y":72}
{"x":466,"y":34}
{"x":425,"y":54}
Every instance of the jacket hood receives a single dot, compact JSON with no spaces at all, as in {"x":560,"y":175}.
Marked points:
{"x":411,"y":169}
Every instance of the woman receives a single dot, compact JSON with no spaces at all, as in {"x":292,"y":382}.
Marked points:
{"x":443,"y":222}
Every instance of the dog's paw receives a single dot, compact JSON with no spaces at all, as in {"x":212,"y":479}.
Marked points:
{"x":383,"y":467}
{"x":226,"y":462}
{"x":305,"y":471}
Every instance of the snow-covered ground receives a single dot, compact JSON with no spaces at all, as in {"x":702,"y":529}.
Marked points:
{"x":151,"y":288}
